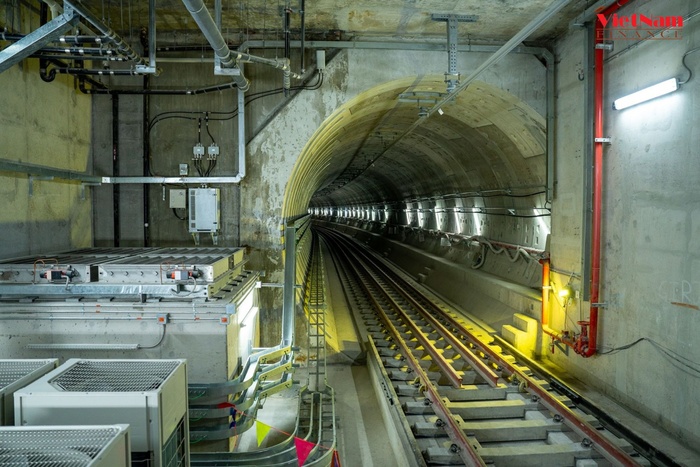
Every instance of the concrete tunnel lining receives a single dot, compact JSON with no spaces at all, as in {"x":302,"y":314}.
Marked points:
{"x":488,"y":139}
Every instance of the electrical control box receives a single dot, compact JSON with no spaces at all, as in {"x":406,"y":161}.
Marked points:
{"x":205,"y":210}
{"x":178,"y":199}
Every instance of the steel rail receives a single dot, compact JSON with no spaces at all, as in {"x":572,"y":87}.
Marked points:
{"x":449,"y":371}
{"x":466,"y":451}
{"x":475,"y":362}
{"x":606,"y":447}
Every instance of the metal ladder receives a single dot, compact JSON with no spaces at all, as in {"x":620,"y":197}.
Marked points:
{"x":316,"y":312}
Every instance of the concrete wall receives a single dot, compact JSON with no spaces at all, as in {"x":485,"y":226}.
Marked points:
{"x":488,"y":299}
{"x":129,"y":146}
{"x":273,"y":153}
{"x":44,"y":124}
{"x":651,"y":224}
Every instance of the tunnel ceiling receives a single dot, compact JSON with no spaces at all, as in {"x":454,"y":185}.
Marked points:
{"x":487,"y":139}
{"x":498,"y":20}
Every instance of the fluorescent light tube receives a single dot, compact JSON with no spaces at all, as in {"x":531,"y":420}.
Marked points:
{"x":646,"y":94}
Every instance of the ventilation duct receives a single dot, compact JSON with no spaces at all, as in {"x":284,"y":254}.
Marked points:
{"x":14,"y":375}
{"x":60,"y":446}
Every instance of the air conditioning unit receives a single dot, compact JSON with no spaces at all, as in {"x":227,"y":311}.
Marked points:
{"x":14,"y":375}
{"x":62,"y":446}
{"x":148,"y":395}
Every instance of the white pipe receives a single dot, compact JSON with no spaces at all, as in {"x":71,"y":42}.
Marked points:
{"x":211,"y":32}
{"x":241,"y":134}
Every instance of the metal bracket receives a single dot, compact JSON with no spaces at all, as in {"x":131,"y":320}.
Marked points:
{"x":599,"y":305}
{"x":32,"y":178}
{"x":422,"y":97}
{"x":450,"y":17}
{"x":452,"y":77}
{"x":219,"y":70}
{"x":605,"y":139}
{"x":146,"y":70}
{"x":170,"y":180}
{"x":38,"y":38}
{"x":82,"y":189}
{"x":605,"y":46}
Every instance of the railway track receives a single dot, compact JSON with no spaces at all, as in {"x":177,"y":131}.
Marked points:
{"x":464,"y":400}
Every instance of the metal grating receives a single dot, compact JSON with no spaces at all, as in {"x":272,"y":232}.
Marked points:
{"x":54,"y":447}
{"x":169,"y":260}
{"x":114,"y":376}
{"x":175,"y":450}
{"x":11,"y":371}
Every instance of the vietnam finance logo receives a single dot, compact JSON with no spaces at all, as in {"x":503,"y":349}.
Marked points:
{"x":639,"y":27}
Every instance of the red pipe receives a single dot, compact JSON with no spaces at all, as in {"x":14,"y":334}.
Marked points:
{"x":588,"y":349}
{"x":545,"y":292}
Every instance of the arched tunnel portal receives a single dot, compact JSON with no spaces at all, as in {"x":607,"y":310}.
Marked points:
{"x":476,"y":170}
{"x":484,"y":151}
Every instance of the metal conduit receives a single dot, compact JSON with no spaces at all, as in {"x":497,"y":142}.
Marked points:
{"x":289,"y":299}
{"x":523,"y":34}
{"x":241,"y":134}
{"x":120,"y":44}
{"x":211,"y":32}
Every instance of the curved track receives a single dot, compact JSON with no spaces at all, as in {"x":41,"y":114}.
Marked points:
{"x":466,"y":400}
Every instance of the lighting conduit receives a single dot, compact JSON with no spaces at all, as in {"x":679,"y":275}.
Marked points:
{"x":589,"y":348}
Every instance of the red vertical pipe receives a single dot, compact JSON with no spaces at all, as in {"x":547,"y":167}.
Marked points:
{"x":597,"y":180}
{"x":545,"y":292}
{"x":597,"y":193}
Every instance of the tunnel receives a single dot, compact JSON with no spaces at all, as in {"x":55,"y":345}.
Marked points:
{"x":364,"y":155}
{"x":370,"y":233}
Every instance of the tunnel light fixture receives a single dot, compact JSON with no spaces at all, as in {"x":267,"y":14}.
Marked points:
{"x":565,"y":292}
{"x":646,"y":94}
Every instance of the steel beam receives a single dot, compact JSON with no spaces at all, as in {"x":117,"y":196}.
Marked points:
{"x":452,"y":76}
{"x":173,"y":180}
{"x":38,"y":38}
{"x":386,"y":45}
{"x":151,"y":36}
{"x":43,"y":171}
{"x":551,"y":107}
{"x":523,"y":34}
{"x":120,"y":44}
